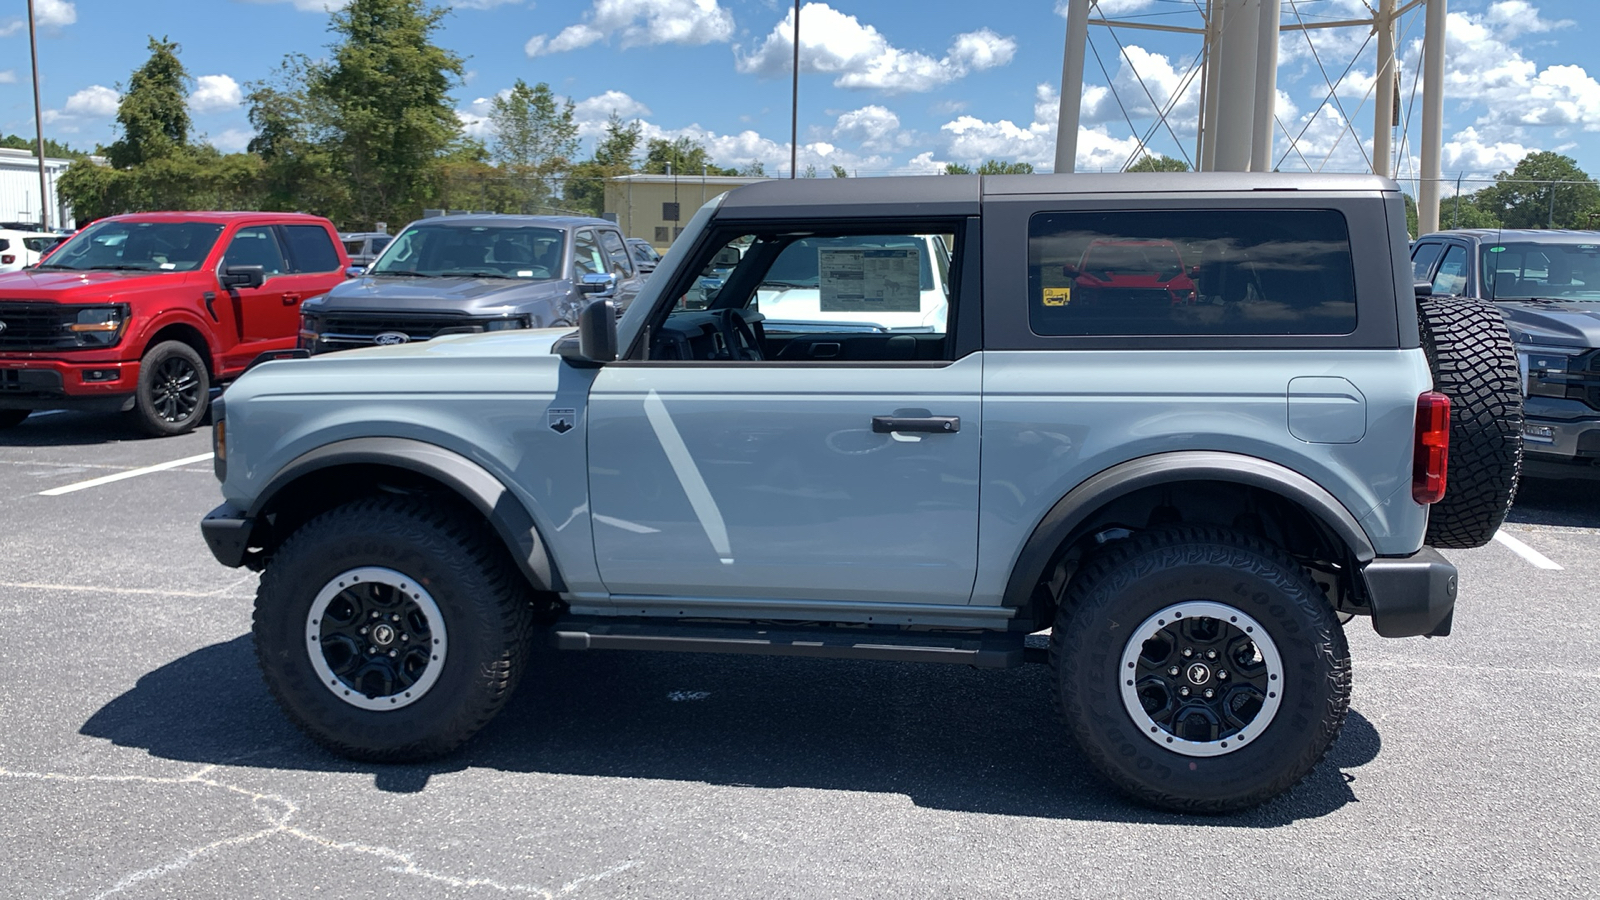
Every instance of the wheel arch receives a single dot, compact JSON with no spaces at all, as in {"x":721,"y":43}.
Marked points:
{"x":1077,"y":516}
{"x":184,"y":332}
{"x":322,"y":478}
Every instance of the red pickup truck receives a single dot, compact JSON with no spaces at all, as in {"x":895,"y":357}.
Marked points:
{"x":143,"y":313}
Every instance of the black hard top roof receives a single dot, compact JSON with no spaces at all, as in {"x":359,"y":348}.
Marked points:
{"x":946,"y":195}
{"x":1535,"y":235}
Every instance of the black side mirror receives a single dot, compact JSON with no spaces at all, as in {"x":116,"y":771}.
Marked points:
{"x":1422,"y":288}
{"x":243,"y":277}
{"x":597,"y":336}
{"x":596,"y":283}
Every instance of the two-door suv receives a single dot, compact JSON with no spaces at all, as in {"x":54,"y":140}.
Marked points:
{"x":143,"y":313}
{"x":1191,"y":494}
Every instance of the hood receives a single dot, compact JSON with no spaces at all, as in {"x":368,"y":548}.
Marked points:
{"x":1553,"y":323}
{"x":489,"y":296}
{"x":49,"y":284}
{"x":523,"y":342}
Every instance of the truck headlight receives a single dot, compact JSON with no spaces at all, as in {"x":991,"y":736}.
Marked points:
{"x":509,"y":323}
{"x":310,"y":331}
{"x":98,"y":326}
{"x":1545,"y":371}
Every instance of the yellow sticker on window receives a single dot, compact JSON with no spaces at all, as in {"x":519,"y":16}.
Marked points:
{"x":1057,"y":296}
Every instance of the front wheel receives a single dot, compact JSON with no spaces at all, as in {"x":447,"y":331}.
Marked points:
{"x":392,"y":630}
{"x":1200,"y":669}
{"x":174,"y":389}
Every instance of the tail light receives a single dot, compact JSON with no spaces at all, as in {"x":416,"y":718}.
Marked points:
{"x":1431,"y":455}
{"x":8,"y":259}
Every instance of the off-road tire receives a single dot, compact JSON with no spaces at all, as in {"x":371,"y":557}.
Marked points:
{"x":1474,"y":364}
{"x":11,"y":418}
{"x":485,"y":604}
{"x":162,"y":405}
{"x":1134,"y":580}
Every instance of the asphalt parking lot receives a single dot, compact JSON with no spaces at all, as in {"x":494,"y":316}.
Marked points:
{"x":140,"y":755}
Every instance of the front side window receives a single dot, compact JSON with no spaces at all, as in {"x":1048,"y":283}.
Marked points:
{"x":617,"y":253}
{"x":586,"y":256}
{"x":138,"y":246}
{"x":1191,"y":272}
{"x":1422,"y":259}
{"x":813,"y":297}
{"x":473,"y":251}
{"x":1452,"y":275}
{"x":1524,"y":270}
{"x":255,"y":246}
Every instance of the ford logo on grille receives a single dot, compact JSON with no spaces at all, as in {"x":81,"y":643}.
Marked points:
{"x":2,"y":328}
{"x":389,"y":338}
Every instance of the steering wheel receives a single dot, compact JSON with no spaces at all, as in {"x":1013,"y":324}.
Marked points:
{"x":738,"y":336}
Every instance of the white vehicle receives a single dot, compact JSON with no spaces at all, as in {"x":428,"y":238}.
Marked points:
{"x":20,"y":249}
{"x":875,"y":283}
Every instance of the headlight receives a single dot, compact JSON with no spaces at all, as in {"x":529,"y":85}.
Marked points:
{"x":97,"y":326}
{"x":507,"y":324}
{"x":1545,"y":370}
{"x":309,"y":332}
{"x":219,"y":439}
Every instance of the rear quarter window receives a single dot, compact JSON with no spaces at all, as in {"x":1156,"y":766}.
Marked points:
{"x":1191,"y":272}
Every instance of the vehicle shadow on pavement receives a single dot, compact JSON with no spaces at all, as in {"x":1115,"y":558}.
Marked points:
{"x":946,"y":737}
{"x":75,"y":429}
{"x":1568,"y":497}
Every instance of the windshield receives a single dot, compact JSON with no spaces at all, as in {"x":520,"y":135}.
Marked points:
{"x":138,"y":246}
{"x":1551,"y":271}
{"x":799,"y":265}
{"x":475,"y":251}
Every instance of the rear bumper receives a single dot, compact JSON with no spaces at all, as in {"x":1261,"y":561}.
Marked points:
{"x":1411,"y":595}
{"x":227,"y":531}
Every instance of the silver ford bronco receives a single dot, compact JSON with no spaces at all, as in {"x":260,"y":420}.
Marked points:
{"x":1188,"y":424}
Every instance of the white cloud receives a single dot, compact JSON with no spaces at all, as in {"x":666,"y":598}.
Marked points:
{"x":1483,"y":68}
{"x":9,"y":76}
{"x":1514,"y":18}
{"x":873,"y":128}
{"x":1109,"y":7}
{"x":54,"y":13}
{"x":1468,"y":151}
{"x":641,"y":23}
{"x":234,"y":140}
{"x":93,"y":101}
{"x":215,"y":93}
{"x":834,"y":43}
{"x":593,"y":114}
{"x":316,"y":6}
{"x":972,"y":140}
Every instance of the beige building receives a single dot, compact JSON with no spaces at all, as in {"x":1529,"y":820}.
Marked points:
{"x":657,"y":207}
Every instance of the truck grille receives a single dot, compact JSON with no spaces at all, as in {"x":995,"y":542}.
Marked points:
{"x":358,"y":330}
{"x":36,"y":326}
{"x":1583,"y":382}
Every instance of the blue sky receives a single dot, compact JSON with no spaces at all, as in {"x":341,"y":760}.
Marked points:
{"x":887,"y":87}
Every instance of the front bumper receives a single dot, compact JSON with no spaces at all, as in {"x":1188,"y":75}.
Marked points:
{"x":95,"y":386}
{"x":1558,"y":429}
{"x":227,"y":531}
{"x":1411,"y":595}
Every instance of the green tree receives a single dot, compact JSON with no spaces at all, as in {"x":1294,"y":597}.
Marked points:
{"x":1544,"y":188}
{"x":839,"y":172}
{"x":990,"y":167}
{"x":295,"y":141}
{"x":153,"y":114}
{"x":52,"y":148}
{"x":535,"y":140}
{"x":1467,"y":212}
{"x":685,"y":155}
{"x":957,"y":169}
{"x":756,"y":169}
{"x":614,"y":155}
{"x":385,"y":91}
{"x":1151,"y":162}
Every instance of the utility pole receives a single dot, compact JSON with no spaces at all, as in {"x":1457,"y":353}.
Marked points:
{"x":38,"y":123}
{"x":1432,"y":116}
{"x":794,"y":98}
{"x":1383,"y":92}
{"x":1071,"y":85}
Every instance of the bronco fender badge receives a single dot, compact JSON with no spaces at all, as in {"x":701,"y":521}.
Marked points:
{"x":390,"y":338}
{"x":563,"y":420}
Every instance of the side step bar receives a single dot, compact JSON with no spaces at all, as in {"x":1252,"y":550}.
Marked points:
{"x":988,"y":651}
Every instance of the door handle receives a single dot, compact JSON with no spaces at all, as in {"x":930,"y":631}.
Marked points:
{"x":290,"y":299}
{"x":925,"y":424}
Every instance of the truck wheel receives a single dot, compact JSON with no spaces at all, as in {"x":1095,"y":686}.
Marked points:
{"x":174,"y":389}
{"x":1474,"y":364}
{"x":391,"y":630}
{"x":10,"y":418}
{"x":1199,"y":669}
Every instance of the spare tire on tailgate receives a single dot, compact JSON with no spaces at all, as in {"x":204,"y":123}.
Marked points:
{"x":1475,"y":365}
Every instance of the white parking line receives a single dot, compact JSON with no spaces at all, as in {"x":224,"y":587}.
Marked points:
{"x":1528,"y":553}
{"x":131,"y":473}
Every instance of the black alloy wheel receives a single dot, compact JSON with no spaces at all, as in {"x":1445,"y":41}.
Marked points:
{"x":174,"y":389}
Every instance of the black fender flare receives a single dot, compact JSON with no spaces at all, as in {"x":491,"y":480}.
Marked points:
{"x":468,"y":480}
{"x":1166,"y":468}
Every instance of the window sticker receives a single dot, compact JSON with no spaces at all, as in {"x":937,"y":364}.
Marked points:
{"x":862,"y":280}
{"x":1057,"y":296}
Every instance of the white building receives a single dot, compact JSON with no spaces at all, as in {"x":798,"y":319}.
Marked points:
{"x":19,"y":188}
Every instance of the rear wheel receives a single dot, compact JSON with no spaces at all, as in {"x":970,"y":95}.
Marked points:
{"x":1200,"y":669}
{"x":392,"y":630}
{"x":1475,"y":365}
{"x":12,"y":417}
{"x":174,"y":389}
